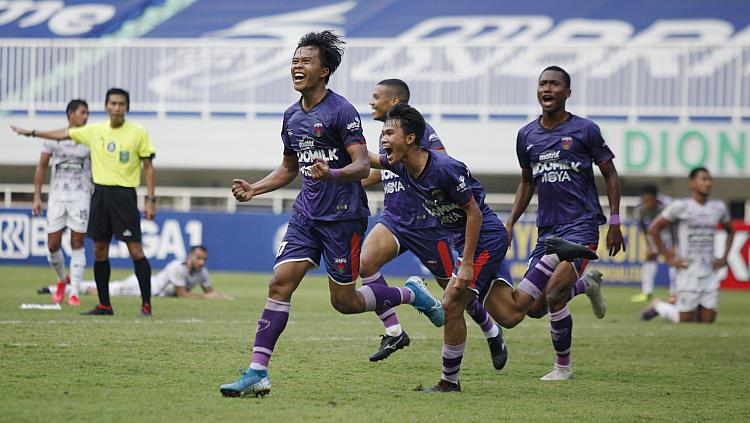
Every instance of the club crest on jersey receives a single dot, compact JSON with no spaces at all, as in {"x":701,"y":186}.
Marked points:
{"x":318,"y":129}
{"x":566,"y":142}
{"x":340,"y":264}
{"x":111,"y":146}
{"x":437,"y":194}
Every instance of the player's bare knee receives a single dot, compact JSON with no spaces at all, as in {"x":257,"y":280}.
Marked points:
{"x":366,"y":268}
{"x":452,"y":307}
{"x":279,"y":290}
{"x":344,"y":304}
{"x":537,"y":313}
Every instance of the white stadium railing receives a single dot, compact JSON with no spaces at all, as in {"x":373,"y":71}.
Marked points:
{"x":206,"y":77}
{"x":221,"y":199}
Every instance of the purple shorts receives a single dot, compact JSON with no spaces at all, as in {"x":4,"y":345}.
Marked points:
{"x":583,"y":232}
{"x":489,"y":263}
{"x":340,"y":242}
{"x":432,"y":246}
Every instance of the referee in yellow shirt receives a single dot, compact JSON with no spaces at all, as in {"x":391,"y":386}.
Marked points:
{"x":118,"y":148}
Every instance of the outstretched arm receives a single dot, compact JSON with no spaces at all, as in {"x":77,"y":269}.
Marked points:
{"x":615,"y":240}
{"x":280,"y":177}
{"x":54,"y":135}
{"x":371,"y":180}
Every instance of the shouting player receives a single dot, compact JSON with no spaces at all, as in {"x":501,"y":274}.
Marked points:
{"x":696,"y":281}
{"x":557,"y":152}
{"x":449,"y":192}
{"x":407,"y":226}
{"x":323,"y":141}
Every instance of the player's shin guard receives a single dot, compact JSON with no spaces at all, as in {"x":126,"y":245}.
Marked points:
{"x":379,"y":296}
{"x":77,"y":268}
{"x":482,"y":318}
{"x":561,"y":329}
{"x":143,"y":273}
{"x":388,"y":315}
{"x":57,"y":263}
{"x":535,"y":280}
{"x":452,"y":356}
{"x":270,"y":326}
{"x":101,"y":276}
{"x":578,"y":288}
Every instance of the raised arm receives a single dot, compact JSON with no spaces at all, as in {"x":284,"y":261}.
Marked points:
{"x":615,"y":240}
{"x":473,"y":226}
{"x":54,"y":135}
{"x":41,"y":171}
{"x":280,"y":177}
{"x":373,"y":179}
{"x":524,"y":193}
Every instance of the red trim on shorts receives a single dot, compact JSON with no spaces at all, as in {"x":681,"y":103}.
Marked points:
{"x":445,"y":258}
{"x":355,"y":256}
{"x":478,"y":264}
{"x":585,"y":262}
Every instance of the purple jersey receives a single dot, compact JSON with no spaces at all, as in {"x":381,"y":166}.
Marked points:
{"x":444,"y":186}
{"x":324,"y":132}
{"x":399,"y":204}
{"x":561,"y":161}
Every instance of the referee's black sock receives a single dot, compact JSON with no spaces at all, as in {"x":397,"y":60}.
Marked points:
{"x":143,"y":273}
{"x":101,"y":276}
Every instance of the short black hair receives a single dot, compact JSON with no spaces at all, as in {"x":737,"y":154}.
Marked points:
{"x":411,"y":121}
{"x":565,"y":74}
{"x":330,"y":48}
{"x":118,"y":91}
{"x":697,"y":170}
{"x":74,"y":105}
{"x":650,"y":189}
{"x":399,"y":87}
{"x":198,"y":247}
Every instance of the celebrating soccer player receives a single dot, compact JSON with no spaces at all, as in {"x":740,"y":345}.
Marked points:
{"x":323,"y":141}
{"x":450,"y":194}
{"x":407,"y":226}
{"x":557,"y":152}
{"x":696,"y":281}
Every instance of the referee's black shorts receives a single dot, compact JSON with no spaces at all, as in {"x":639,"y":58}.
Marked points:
{"x":114,"y":211}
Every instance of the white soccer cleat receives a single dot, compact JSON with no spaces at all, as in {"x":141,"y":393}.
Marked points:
{"x":559,"y":373}
{"x":593,"y":279}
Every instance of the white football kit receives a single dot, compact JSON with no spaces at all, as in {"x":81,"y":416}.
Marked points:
{"x":70,"y":186}
{"x":697,"y":223}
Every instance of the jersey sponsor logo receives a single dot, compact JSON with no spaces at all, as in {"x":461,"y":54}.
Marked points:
{"x":447,"y":214}
{"x":566,"y":142}
{"x":306,"y":144}
{"x":555,"y":171}
{"x":391,"y":187}
{"x":353,"y":126}
{"x":318,"y":129}
{"x":549,"y":155}
{"x":461,"y":187}
{"x":309,"y":156}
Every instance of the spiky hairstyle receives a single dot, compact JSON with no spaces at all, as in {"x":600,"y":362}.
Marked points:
{"x":330,"y":48}
{"x":411,"y":121}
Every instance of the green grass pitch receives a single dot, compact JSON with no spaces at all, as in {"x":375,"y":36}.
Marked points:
{"x":60,"y":366}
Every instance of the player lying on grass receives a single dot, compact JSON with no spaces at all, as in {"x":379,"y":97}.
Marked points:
{"x":449,"y":192}
{"x":175,"y":280}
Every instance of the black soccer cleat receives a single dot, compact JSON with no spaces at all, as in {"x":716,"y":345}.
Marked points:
{"x":43,"y":290}
{"x":566,"y":250}
{"x":498,"y":351}
{"x":99,"y":310}
{"x":389,"y":345}
{"x":444,"y":386}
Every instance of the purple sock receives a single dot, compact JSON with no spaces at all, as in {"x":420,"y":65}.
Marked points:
{"x":452,"y":356}
{"x":561,"y":329}
{"x":272,"y":322}
{"x":379,"y":296}
{"x":536,"y":278}
{"x":387,"y":316}
{"x":578,"y":288}
{"x":480,"y":315}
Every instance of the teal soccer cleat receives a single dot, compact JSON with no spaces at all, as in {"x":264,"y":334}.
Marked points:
{"x":424,"y":302}
{"x":252,"y":382}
